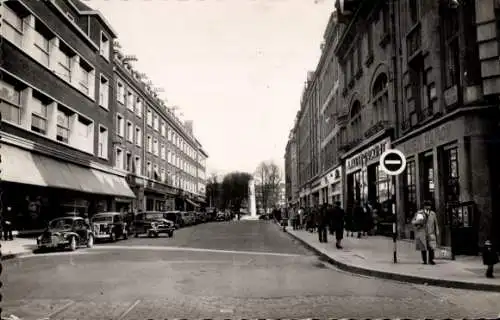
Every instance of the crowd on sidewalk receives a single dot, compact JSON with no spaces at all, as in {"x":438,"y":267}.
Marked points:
{"x":362,"y":221}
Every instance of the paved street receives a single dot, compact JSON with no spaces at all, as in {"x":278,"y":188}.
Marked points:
{"x":216,"y":270}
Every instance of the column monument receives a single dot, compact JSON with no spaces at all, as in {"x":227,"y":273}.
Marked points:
{"x":252,"y":206}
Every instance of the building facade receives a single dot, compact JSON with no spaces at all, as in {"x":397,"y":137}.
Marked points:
{"x":421,"y":77}
{"x":56,"y":135}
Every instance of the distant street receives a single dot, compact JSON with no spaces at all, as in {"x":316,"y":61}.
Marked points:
{"x":216,"y":270}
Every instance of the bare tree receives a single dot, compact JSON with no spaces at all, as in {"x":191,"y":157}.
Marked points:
{"x":269,"y":178}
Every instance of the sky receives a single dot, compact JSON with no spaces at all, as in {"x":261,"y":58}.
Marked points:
{"x":235,"y":67}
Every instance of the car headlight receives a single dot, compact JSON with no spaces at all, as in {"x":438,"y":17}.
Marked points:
{"x":154,"y":225}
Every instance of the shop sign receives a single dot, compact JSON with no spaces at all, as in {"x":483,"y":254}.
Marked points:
{"x":368,"y":156}
{"x":430,"y":139}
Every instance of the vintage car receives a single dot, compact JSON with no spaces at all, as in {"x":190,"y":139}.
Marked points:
{"x":175,"y":217}
{"x":153,"y":224}
{"x":109,"y":226}
{"x":66,"y":233}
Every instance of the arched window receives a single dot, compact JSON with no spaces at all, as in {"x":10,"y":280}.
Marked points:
{"x":380,"y":99}
{"x":355,"y":121}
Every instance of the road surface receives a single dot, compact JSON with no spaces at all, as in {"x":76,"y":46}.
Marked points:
{"x":238,"y":269}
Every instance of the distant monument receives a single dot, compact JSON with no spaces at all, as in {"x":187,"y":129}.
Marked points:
{"x":252,"y":205}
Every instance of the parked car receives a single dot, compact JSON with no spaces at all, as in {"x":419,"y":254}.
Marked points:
{"x":175,"y":217}
{"x":153,"y":224}
{"x":197,"y":217}
{"x":109,"y":226}
{"x":187,"y":218}
{"x":220,"y":216}
{"x":66,"y":233}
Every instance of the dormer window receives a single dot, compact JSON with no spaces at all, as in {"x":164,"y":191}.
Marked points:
{"x":104,"y":48}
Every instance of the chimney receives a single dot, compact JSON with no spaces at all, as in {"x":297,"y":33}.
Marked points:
{"x":188,"y":124}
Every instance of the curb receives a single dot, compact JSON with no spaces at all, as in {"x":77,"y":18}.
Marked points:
{"x":397,"y":276}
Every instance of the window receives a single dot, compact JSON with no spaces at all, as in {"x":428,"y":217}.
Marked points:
{"x":359,"y":57}
{"x":39,"y":113}
{"x":138,"y":107}
{"x":414,"y":12}
{"x":63,"y":68}
{"x":102,"y":149}
{"x":120,"y":92}
{"x":417,"y":87}
{"x":169,"y":134}
{"x":138,"y":136}
{"x":155,"y":122}
{"x":355,"y":121}
{"x":149,"y":169}
{"x":156,"y":174}
{"x":369,"y":39}
{"x":155,"y":147}
{"x":13,"y":27}
{"x":63,"y":130}
{"x":451,"y":48}
{"x":104,"y":48}
{"x":380,"y":99}
{"x":42,"y":38}
{"x":120,"y":125}
{"x":150,"y":144}
{"x":130,"y":101}
{"x":137,"y":165}
{"x":385,"y":20}
{"x":162,"y":151}
{"x":119,"y":158}
{"x":149,"y":118}
{"x":84,"y":73}
{"x":169,"y":157}
{"x":163,"y":131}
{"x":411,"y":190}
{"x":452,"y":183}
{"x":162,"y":175}
{"x":128,"y":162}
{"x":10,"y":105}
{"x":104,"y":92}
{"x":130,"y":131}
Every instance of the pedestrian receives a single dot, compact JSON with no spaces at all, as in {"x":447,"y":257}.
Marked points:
{"x":322,"y":223}
{"x":348,"y":220}
{"x":358,"y":218}
{"x":367,"y":219}
{"x":426,"y":232}
{"x":490,"y":258}
{"x":331,"y":220}
{"x":338,"y":215}
{"x":7,"y":225}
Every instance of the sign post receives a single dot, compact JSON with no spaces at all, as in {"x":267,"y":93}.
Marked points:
{"x":393,"y":162}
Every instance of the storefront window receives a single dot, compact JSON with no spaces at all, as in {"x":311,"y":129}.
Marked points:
{"x":410,"y":190}
{"x":452,"y":189}
{"x":428,"y":172}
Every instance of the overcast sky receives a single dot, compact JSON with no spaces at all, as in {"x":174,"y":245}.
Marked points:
{"x":235,"y":67}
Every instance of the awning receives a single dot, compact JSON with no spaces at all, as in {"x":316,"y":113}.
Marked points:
{"x":22,"y":166}
{"x":192,"y":203}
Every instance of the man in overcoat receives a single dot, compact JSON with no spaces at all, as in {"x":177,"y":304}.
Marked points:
{"x":426,"y":232}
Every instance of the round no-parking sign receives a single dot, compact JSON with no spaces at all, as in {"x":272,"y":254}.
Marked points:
{"x":393,"y":162}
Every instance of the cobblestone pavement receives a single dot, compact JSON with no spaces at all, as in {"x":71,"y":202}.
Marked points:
{"x":151,"y":282}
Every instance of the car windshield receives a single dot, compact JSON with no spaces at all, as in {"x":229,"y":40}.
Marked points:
{"x":152,"y":216}
{"x":63,"y":223}
{"x":171,"y":216}
{"x":102,"y":219}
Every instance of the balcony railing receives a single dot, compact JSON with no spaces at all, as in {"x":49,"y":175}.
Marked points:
{"x":377,"y":127}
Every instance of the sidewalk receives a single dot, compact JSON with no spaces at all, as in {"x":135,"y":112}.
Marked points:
{"x":17,"y":247}
{"x":373,"y":256}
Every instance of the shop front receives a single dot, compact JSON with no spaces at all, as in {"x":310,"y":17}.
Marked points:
{"x":335,"y":182}
{"x":366,"y":183}
{"x":37,"y":187}
{"x":448,"y":164}
{"x":159,"y":196}
{"x":315,"y":193}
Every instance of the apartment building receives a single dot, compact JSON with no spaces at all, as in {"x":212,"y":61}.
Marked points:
{"x":421,"y":77}
{"x":56,"y":135}
{"x":291,"y":174}
{"x":164,"y":162}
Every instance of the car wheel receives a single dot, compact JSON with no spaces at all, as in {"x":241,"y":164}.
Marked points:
{"x":90,"y":241}
{"x":125,"y":235}
{"x":156,"y":234}
{"x":72,"y":244}
{"x":171,"y":234}
{"x":136,"y":235}
{"x":112,"y":237}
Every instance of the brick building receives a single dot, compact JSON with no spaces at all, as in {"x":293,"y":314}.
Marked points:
{"x":54,"y":132}
{"x":421,"y":77}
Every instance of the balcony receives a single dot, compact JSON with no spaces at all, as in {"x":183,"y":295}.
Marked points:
{"x":377,"y":127}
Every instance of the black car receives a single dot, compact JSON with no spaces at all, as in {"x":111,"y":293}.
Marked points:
{"x":66,"y":233}
{"x":153,"y":224}
{"x":110,"y":226}
{"x":175,"y":217}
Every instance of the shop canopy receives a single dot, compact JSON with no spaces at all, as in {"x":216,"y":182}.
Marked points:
{"x":22,"y":166}
{"x":192,"y":203}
